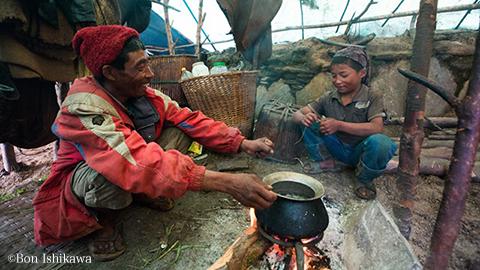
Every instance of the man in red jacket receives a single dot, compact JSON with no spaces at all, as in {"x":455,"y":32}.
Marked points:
{"x":118,"y":137}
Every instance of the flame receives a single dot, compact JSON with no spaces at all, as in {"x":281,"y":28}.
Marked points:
{"x":253,"y":218}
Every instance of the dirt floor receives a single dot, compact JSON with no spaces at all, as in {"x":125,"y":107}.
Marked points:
{"x":202,"y":225}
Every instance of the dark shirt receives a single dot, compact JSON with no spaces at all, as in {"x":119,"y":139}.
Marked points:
{"x":365,"y":106}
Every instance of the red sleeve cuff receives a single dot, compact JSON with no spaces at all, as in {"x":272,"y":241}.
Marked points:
{"x":237,"y":141}
{"x":196,"y":177}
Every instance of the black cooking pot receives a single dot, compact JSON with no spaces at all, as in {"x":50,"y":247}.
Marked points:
{"x":299,"y":211}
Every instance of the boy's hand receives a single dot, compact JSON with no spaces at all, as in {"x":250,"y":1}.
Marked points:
{"x":309,"y":119}
{"x":329,"y":126}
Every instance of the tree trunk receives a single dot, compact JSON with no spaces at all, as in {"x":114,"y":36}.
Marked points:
{"x":412,"y":134}
{"x":457,"y":183}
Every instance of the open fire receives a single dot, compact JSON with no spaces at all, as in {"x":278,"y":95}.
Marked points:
{"x":282,"y":254}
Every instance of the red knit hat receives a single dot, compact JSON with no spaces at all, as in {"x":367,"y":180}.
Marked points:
{"x":100,"y":45}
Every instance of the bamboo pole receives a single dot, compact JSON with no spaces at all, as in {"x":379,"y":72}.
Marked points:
{"x":168,"y":28}
{"x":412,"y":133}
{"x":380,"y":17}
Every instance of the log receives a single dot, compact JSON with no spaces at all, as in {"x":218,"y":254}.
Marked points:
{"x":443,"y":122}
{"x":433,"y":166}
{"x":429,"y":143}
{"x":243,"y":252}
{"x":428,"y":166}
{"x":447,"y":137}
{"x":449,"y":131}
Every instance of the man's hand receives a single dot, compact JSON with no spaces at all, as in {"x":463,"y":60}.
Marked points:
{"x":261,"y":147}
{"x":248,"y":189}
{"x":329,"y":126}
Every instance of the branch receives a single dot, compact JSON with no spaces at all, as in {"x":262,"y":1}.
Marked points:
{"x":164,"y":5}
{"x":372,"y":2}
{"x":343,"y":14}
{"x":366,"y":40}
{"x":393,"y":12}
{"x":339,"y":44}
{"x":451,"y":99}
{"x":464,"y":16}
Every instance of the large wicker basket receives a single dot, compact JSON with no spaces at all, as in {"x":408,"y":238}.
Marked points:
{"x":227,"y":97}
{"x":167,"y":71}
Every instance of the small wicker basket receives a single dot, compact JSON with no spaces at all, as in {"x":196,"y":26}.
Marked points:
{"x":167,"y":70}
{"x":227,"y":97}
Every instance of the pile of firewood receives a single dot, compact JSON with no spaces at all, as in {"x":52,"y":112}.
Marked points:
{"x":436,"y":153}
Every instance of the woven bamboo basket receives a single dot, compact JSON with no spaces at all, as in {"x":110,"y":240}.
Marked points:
{"x":227,"y":97}
{"x":167,"y":71}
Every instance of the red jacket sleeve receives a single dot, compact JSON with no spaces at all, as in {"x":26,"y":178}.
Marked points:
{"x":212,"y":134}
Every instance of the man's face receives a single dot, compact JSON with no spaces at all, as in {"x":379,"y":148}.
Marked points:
{"x":132,"y":81}
{"x":345,"y":78}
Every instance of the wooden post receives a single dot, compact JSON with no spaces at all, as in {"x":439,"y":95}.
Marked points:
{"x":8,"y":157}
{"x":201,"y":18}
{"x":168,"y":28}
{"x":457,"y":183}
{"x":301,"y":17}
{"x":412,"y":133}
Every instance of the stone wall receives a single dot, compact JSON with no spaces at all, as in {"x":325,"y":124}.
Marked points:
{"x":298,"y":72}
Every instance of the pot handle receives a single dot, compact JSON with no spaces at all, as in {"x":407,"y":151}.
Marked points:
{"x":299,"y":256}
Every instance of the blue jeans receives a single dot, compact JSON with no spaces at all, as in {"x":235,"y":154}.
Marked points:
{"x":370,"y":156}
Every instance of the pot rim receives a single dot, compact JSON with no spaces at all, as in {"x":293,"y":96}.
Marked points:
{"x":309,"y":181}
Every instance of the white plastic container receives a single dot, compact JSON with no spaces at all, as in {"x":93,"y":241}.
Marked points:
{"x":186,"y":74}
{"x":199,"y":69}
{"x":218,"y":67}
